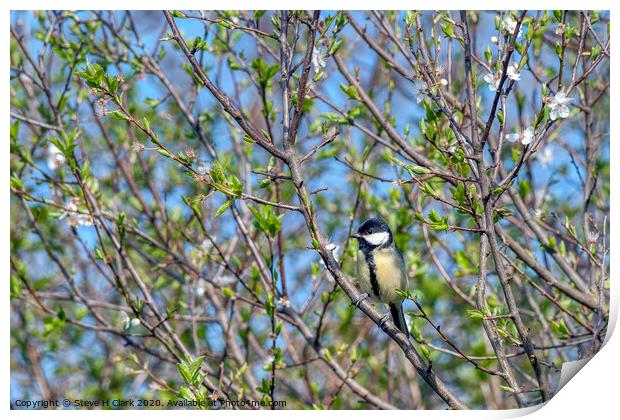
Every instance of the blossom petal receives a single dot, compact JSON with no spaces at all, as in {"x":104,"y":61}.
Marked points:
{"x":528,"y":132}
{"x":125,"y":319}
{"x":52,"y":163}
{"x":492,"y":80}
{"x":318,"y":58}
{"x":513,"y":137}
{"x":563,"y":111}
{"x":553,"y":114}
{"x":513,"y":72}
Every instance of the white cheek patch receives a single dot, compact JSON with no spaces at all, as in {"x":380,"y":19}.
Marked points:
{"x":378,"y":238}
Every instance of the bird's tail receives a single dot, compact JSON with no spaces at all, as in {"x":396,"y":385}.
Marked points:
{"x":399,"y":318}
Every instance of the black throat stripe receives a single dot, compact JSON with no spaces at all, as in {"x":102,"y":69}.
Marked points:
{"x":372,"y":268}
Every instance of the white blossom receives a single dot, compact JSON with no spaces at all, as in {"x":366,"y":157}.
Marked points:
{"x":74,"y":218}
{"x":545,"y":157}
{"x":70,"y":207}
{"x":284,"y":302}
{"x":525,"y":137}
{"x":135,"y":322}
{"x":100,"y":109}
{"x":83,"y":220}
{"x":125,"y":319}
{"x":493,"y":81}
{"x":443,"y":82}
{"x":528,"y":136}
{"x":513,"y":72}
{"x":200,"y":289}
{"x":136,"y":146}
{"x":494,"y":40}
{"x":592,"y":237}
{"x":539,"y":213}
{"x":54,"y":157}
{"x":513,"y":137}
{"x":318,"y":58}
{"x":559,"y":106}
{"x":420,"y":89}
{"x":509,"y":25}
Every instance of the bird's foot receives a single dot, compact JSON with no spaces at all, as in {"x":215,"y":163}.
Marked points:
{"x":384,"y":319}
{"x":360,"y":299}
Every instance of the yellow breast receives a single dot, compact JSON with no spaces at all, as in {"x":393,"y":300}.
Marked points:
{"x":390,"y":274}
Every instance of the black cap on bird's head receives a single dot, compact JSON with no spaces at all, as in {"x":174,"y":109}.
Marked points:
{"x":373,"y":233}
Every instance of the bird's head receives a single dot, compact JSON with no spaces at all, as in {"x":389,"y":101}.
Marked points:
{"x":373,"y":233}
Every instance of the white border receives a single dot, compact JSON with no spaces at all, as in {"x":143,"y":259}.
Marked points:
{"x":593,"y":391}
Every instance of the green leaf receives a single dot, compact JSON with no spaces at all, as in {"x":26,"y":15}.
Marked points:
{"x":269,"y":306}
{"x":164,"y":153}
{"x":447,"y":29}
{"x":147,"y":124}
{"x":224,"y":207}
{"x":560,"y":329}
{"x":266,"y":220}
{"x":425,"y":351}
{"x":228,"y":292}
{"x":99,"y":253}
{"x":475,"y":314}
{"x":119,"y":115}
{"x":421,"y":218}
{"x":350,"y":91}
{"x":403,"y":293}
{"x":418,"y":170}
{"x":488,"y":55}
{"x":186,"y":393}
{"x":17,"y":183}
{"x":434,"y":217}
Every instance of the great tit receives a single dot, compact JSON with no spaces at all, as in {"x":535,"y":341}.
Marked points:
{"x":381,"y":268}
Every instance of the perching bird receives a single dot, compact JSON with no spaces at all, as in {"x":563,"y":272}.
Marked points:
{"x":381,"y":268}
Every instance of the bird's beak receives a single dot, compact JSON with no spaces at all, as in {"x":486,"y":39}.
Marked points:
{"x":356,"y":235}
